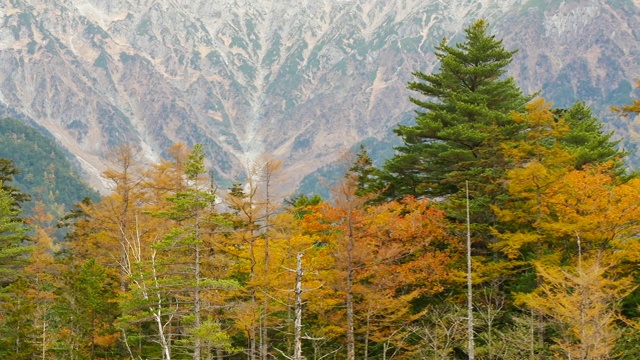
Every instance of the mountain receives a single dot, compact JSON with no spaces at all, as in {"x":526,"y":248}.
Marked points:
{"x":300,"y":80}
{"x":45,"y":173}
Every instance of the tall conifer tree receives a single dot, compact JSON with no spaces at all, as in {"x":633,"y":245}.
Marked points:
{"x":465,"y":114}
{"x":588,"y":140}
{"x":460,"y":125}
{"x":14,"y":252}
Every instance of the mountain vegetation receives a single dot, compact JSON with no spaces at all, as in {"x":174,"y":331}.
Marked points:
{"x":37,"y":168}
{"x":302,"y":80}
{"x":42,"y":168}
{"x":171,"y":265}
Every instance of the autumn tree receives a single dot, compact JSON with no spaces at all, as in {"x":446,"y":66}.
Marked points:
{"x":17,"y":327}
{"x":583,"y":302}
{"x":592,"y":204}
{"x":289,"y":283}
{"x":384,"y":257}
{"x":161,"y":257}
{"x":244,"y":202}
{"x":103,"y":229}
{"x":582,"y":229}
{"x":411,"y":258}
{"x":540,"y":160}
{"x":86,"y":310}
{"x":42,"y":274}
{"x":190,"y":208}
{"x":267,"y":172}
{"x":119,"y":233}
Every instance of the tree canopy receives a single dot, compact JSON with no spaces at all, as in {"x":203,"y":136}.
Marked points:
{"x":169,"y":266}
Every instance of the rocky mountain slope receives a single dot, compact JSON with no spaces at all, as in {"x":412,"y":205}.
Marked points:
{"x":299,"y":80}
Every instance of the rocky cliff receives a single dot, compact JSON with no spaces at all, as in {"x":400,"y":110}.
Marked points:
{"x":299,"y":80}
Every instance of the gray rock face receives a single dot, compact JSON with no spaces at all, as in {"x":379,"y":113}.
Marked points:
{"x":299,"y":80}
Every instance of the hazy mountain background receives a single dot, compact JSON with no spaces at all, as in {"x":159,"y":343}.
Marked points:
{"x":45,"y":173}
{"x":303,"y":81}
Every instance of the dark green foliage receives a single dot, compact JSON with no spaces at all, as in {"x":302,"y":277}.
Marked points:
{"x":365,"y":174}
{"x":468,"y":112}
{"x":237,"y":189}
{"x":14,"y":252}
{"x":102,"y":61}
{"x":460,"y":126}
{"x":86,"y":311}
{"x":45,"y":173}
{"x":300,"y":204}
{"x":16,"y":322}
{"x":587,"y":139}
{"x":8,"y":171}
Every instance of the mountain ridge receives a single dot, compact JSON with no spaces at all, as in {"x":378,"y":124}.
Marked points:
{"x":301,"y":81}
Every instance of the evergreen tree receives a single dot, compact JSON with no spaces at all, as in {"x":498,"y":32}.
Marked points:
{"x":14,"y":252}
{"x":190,"y":252}
{"x":8,"y":171}
{"x":299,"y":205}
{"x":365,"y":173}
{"x":16,"y":322}
{"x":460,"y":129}
{"x":586,"y":138}
{"x":85,"y":312}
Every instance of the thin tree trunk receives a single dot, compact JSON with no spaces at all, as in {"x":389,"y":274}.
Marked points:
{"x":297,"y":352}
{"x":471,"y":346}
{"x":351,"y":352}
{"x":366,"y":335}
{"x":252,"y":275}
{"x":264,"y":337}
{"x":270,"y":168}
{"x":584,"y":346}
{"x":157,"y":314}
{"x":252,"y":331}
{"x":539,"y":317}
{"x":197,"y":344}
{"x":44,"y":340}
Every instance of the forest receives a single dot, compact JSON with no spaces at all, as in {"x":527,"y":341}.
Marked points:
{"x":502,"y":228}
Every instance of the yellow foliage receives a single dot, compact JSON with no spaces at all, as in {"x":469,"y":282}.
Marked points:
{"x":584,"y":301}
{"x":106,"y":340}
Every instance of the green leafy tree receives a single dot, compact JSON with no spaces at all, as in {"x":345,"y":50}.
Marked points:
{"x":14,"y":252}
{"x":365,"y":173}
{"x":86,"y":310}
{"x":586,"y":138}
{"x":189,"y":252}
{"x":17,"y":308}
{"x":460,"y":126}
{"x":300,"y":204}
{"x":16,"y":323}
{"x":8,"y":171}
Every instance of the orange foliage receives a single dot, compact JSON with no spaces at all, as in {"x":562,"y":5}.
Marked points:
{"x":400,"y":251}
